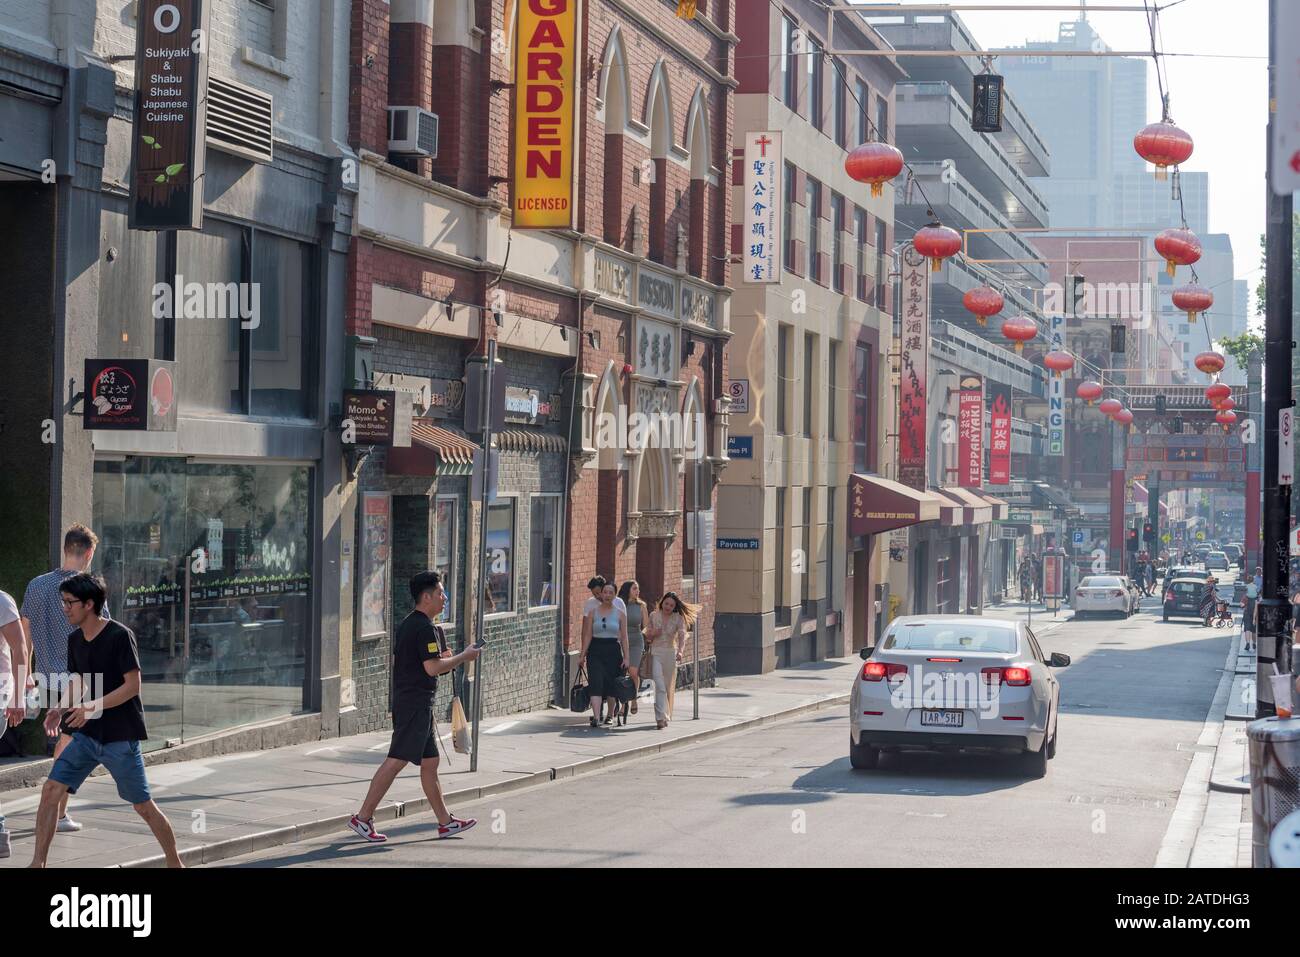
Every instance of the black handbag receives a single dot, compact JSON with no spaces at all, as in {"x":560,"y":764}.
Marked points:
{"x":624,"y":688}
{"x":580,"y":694}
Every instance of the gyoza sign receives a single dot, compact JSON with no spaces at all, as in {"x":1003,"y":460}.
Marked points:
{"x":761,"y":242}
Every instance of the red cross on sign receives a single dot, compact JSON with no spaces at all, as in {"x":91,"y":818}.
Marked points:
{"x":763,"y":143}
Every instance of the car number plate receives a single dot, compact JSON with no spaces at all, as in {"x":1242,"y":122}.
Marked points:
{"x":942,"y":719}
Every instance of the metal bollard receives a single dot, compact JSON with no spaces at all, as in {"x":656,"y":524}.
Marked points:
{"x":1284,"y":845}
{"x":1274,"y":780}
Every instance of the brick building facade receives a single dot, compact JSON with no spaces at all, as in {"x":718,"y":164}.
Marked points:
{"x":628,"y":310}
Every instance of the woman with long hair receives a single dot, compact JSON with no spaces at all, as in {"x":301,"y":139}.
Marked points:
{"x":604,"y":642}
{"x":638,"y":616}
{"x":667,"y":637}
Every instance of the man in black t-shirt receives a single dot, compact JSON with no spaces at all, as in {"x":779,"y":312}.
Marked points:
{"x":420,"y":654}
{"x":106,"y":729}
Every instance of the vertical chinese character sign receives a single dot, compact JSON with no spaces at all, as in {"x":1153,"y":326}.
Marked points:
{"x":970,"y":431}
{"x":1056,"y":388}
{"x":1000,"y":435}
{"x":914,"y":353}
{"x":761,"y":241}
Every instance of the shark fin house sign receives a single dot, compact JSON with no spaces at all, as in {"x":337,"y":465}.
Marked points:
{"x":171,"y":79}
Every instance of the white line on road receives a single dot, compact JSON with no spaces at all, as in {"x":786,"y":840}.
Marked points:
{"x":500,"y":727}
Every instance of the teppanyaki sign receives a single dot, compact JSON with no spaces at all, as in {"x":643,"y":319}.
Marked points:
{"x":544,"y":114}
{"x":171,"y":81}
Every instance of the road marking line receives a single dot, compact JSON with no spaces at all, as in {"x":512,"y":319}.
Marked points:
{"x":500,"y":727}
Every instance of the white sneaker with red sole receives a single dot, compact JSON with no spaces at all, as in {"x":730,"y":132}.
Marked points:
{"x":455,"y":826}
{"x":367,"y":830}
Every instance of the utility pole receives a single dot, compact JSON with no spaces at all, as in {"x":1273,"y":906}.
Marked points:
{"x":1274,"y":605}
{"x":486,"y":411}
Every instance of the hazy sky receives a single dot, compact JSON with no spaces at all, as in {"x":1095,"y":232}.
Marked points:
{"x":1222,"y":103}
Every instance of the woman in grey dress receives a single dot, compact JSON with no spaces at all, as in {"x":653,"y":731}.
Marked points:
{"x":638,"y":616}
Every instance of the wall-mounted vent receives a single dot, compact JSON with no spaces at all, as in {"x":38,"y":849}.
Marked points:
{"x":240,"y":120}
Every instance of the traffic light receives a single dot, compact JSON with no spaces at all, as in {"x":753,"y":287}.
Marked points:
{"x":1160,"y":404}
{"x":1176,"y":427}
{"x":1075,"y":290}
{"x":1148,"y":532}
{"x":1132,"y":543}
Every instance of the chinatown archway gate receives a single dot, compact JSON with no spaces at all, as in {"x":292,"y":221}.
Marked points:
{"x":1184,"y":448}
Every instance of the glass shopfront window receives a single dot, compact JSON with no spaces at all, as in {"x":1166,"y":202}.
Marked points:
{"x":501,"y":557}
{"x":444,"y":552}
{"x":544,"y":531}
{"x":210,"y":566}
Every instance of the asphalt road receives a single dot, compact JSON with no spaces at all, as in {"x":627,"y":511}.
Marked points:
{"x":1133,"y":702}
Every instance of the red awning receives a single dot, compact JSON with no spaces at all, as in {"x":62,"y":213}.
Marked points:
{"x":878,"y":505}
{"x":1000,"y":508}
{"x":967,"y":508}
{"x":433,"y":451}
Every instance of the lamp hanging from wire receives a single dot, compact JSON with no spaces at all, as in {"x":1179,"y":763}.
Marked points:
{"x":984,"y":302}
{"x":1193,"y":299}
{"x":1019,"y":329}
{"x":1178,"y":247}
{"x":937,"y":242}
{"x":1089,"y":391}
{"x":1163,"y":145}
{"x":874,"y":163}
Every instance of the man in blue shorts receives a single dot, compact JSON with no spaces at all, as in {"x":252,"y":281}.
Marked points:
{"x":105,"y":730}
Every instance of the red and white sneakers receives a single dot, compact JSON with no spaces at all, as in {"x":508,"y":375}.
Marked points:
{"x":367,"y":830}
{"x":455,"y":826}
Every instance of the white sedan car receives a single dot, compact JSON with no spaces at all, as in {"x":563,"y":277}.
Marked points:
{"x":1103,"y":594}
{"x":955,"y":683}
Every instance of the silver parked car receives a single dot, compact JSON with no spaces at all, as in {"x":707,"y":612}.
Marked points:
{"x":955,"y":683}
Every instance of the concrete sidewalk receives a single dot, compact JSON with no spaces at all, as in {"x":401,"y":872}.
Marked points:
{"x":234,"y":804}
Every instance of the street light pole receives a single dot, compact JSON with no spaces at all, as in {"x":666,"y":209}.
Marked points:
{"x":485,"y":409}
{"x":1274,"y":606}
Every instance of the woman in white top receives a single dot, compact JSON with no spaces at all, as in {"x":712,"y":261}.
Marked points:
{"x":666,"y":636}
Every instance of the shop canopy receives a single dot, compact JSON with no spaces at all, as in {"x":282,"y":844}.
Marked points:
{"x":878,"y":505}
{"x":434,"y":450}
{"x":964,"y":507}
{"x":1000,"y":508}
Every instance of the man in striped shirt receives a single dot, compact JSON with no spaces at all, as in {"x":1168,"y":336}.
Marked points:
{"x":48,"y":629}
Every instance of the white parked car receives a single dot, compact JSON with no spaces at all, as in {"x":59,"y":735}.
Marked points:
{"x":1216,"y":561}
{"x":955,"y":683}
{"x":1103,"y":594}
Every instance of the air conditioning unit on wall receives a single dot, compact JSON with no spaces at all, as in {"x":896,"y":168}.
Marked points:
{"x":412,"y":131}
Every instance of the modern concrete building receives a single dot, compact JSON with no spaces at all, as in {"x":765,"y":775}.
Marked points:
{"x":813,"y":348}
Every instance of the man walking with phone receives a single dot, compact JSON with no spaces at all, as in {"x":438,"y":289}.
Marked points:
{"x":420,"y":654}
{"x":105,"y":730}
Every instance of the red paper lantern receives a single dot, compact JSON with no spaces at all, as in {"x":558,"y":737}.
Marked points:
{"x":1211,"y":363}
{"x":1059,"y":362}
{"x":1089,"y":391}
{"x":983,"y":301}
{"x":937,"y":243}
{"x":1226,"y":405}
{"x":1226,"y":418}
{"x":1193,"y":299}
{"x":1218,"y":392}
{"x":1163,"y":144}
{"x":1178,"y":247}
{"x":1111,"y":406}
{"x":1019,"y":329}
{"x":1123,"y":417}
{"x":874,"y":163}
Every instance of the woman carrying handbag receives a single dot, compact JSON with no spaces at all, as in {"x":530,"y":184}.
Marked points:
{"x":604,"y":651}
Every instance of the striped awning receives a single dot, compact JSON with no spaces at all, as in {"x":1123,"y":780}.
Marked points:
{"x":529,"y":440}
{"x":434,"y":451}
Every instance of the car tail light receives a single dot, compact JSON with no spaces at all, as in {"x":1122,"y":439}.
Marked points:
{"x":1117,"y":594}
{"x":947,"y":661}
{"x":1016,"y":676}
{"x":1169,"y":596}
{"x":876,"y":670}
